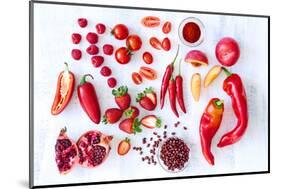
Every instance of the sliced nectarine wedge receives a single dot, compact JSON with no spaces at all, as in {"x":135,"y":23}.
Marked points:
{"x":196,"y":86}
{"x":196,"y":58}
{"x":212,"y":75}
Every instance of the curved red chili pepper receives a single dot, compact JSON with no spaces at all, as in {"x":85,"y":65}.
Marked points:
{"x":233,"y":86}
{"x":209,"y":125}
{"x":165,"y":80}
{"x":65,"y":87}
{"x":172,"y":96}
{"x":88,"y":99}
{"x":179,"y":91}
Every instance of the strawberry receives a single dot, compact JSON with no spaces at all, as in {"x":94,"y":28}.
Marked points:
{"x":130,"y":125}
{"x":76,"y":38}
{"x":112,"y":115}
{"x":97,"y":61}
{"x":92,"y":50}
{"x":124,"y":147}
{"x":100,"y":28}
{"x":76,"y":54}
{"x":122,"y":98}
{"x":92,"y":38}
{"x":151,"y":121}
{"x":105,"y":71}
{"x":147,"y":99}
{"x":111,"y":82}
{"x":108,"y":49}
{"x":82,"y":22}
{"x":132,"y":112}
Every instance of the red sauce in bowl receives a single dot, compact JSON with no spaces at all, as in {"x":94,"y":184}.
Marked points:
{"x":191,"y":32}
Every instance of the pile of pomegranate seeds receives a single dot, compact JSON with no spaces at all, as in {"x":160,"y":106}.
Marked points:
{"x":174,"y":153}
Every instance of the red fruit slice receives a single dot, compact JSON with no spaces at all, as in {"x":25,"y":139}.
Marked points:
{"x":97,"y":61}
{"x":124,"y":147}
{"x":167,"y":27}
{"x":108,"y":49}
{"x":92,"y":50}
{"x":111,"y":82}
{"x":100,"y":28}
{"x":147,"y":57}
{"x":148,"y":73}
{"x":151,"y":121}
{"x":166,"y":44}
{"x":92,"y":38}
{"x":76,"y":54}
{"x":82,"y":22}
{"x":155,"y":43}
{"x":147,"y":99}
{"x":196,"y":58}
{"x":136,"y":77}
{"x":105,"y":71}
{"x":76,"y":38}
{"x":150,"y":21}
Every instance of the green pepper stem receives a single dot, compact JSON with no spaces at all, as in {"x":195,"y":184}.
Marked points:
{"x":176,"y":56}
{"x":219,"y":103}
{"x":83,"y":80}
{"x":226,"y":71}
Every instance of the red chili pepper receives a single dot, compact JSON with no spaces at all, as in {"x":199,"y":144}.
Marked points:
{"x":172,"y":95}
{"x":65,"y":87}
{"x":179,"y":90}
{"x":166,"y":78}
{"x":88,"y":99}
{"x":209,"y":124}
{"x":233,"y":86}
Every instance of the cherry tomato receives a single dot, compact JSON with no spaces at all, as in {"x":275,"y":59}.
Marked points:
{"x":150,"y":21}
{"x":155,"y":43}
{"x":120,"y":31}
{"x":166,"y":44}
{"x":136,"y":77}
{"x":122,"y":55}
{"x":167,"y":27}
{"x":134,"y":42}
{"x":148,"y":73}
{"x":147,"y":57}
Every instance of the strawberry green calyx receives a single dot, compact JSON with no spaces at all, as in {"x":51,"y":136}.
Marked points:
{"x":104,"y":120}
{"x":128,"y":113}
{"x":136,"y":126}
{"x":140,"y":96}
{"x":121,"y":91}
{"x":127,"y":140}
{"x":158,"y":122}
{"x":148,"y":90}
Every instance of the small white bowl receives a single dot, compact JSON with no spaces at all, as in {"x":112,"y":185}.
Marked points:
{"x":202,"y":30}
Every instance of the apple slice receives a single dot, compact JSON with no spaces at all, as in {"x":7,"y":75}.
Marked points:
{"x":196,"y":86}
{"x":212,"y":75}
{"x":196,"y":58}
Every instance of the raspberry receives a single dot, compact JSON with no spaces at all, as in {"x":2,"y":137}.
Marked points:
{"x":92,"y":37}
{"x":105,"y":71}
{"x":82,"y":22}
{"x":76,"y":54}
{"x":111,"y":82}
{"x":97,"y":61}
{"x":76,"y":38}
{"x":92,"y":50}
{"x":108,"y":49}
{"x":100,"y":28}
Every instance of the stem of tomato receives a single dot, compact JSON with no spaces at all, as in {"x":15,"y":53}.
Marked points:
{"x":83,"y":80}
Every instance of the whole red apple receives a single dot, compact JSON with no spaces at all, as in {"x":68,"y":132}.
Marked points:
{"x":227,"y":51}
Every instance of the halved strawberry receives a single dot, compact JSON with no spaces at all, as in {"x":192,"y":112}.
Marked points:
{"x":151,"y":121}
{"x":130,"y":125}
{"x":132,"y":112}
{"x":112,"y":115}
{"x":122,"y":98}
{"x":124,"y":147}
{"x":147,"y":99}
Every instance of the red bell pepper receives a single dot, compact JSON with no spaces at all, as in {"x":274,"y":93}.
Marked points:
{"x":166,"y":79}
{"x":233,"y":86}
{"x":88,"y":99}
{"x":209,"y":125}
{"x":65,"y":87}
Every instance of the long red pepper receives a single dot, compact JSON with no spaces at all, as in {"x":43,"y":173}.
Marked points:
{"x":179,"y":90}
{"x":172,"y":96}
{"x":209,"y":125}
{"x":88,"y":99}
{"x":166,"y":78}
{"x":65,"y":88}
{"x":233,"y":86}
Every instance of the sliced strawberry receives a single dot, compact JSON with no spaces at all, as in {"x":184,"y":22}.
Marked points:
{"x":146,"y":103}
{"x":130,"y":125}
{"x":151,"y":121}
{"x":147,"y":99}
{"x":124,"y":147}
{"x":122,"y":98}
{"x":149,"y":92}
{"x":132,"y":112}
{"x":112,"y":115}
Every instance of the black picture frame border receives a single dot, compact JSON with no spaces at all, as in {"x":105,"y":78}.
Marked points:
{"x":31,"y":94}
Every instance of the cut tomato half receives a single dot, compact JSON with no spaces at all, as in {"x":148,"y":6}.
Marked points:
{"x":148,"y":73}
{"x":150,"y":21}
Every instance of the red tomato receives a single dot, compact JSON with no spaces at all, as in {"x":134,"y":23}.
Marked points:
{"x":166,"y":44}
{"x":134,"y":42}
{"x":155,"y":43}
{"x":167,"y":27}
{"x":150,"y":21}
{"x":136,"y":77}
{"x":122,"y":55}
{"x":227,"y":51}
{"x":120,"y":31}
{"x":148,"y":73}
{"x":147,"y":57}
